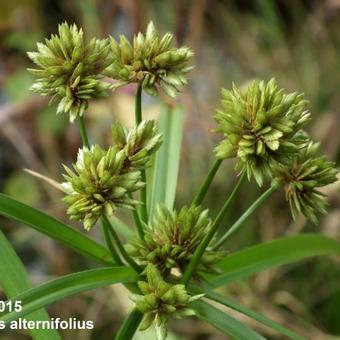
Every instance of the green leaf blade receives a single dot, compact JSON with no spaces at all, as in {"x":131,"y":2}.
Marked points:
{"x":224,"y":322}
{"x":67,"y":286}
{"x":252,"y":260}
{"x":167,"y":159}
{"x":53,"y":228}
{"x":250,"y":313}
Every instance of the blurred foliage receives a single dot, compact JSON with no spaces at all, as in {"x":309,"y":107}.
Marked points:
{"x":295,"y":41}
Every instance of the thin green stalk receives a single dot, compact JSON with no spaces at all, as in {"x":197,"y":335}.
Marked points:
{"x":202,"y":247}
{"x":114,"y":253}
{"x":83,"y":132}
{"x":245,"y":215}
{"x":130,"y":325}
{"x":205,"y":186}
{"x":143,"y":191}
{"x":138,"y":222}
{"x":120,"y":246}
{"x":138,"y":105}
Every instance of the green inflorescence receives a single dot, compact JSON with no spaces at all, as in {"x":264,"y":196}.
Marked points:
{"x":172,"y":238}
{"x":262,"y":127}
{"x":71,"y":71}
{"x":151,"y":61}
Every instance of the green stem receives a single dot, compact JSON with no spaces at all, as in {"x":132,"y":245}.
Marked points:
{"x":138,"y":222}
{"x":138,"y":105}
{"x":115,"y":255}
{"x":143,"y":191}
{"x":202,"y":247}
{"x":130,"y":325}
{"x":244,"y":216}
{"x":205,"y":186}
{"x":120,"y":246}
{"x":83,"y":132}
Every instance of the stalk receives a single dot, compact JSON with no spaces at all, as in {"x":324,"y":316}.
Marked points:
{"x":83,"y":132}
{"x":245,"y":215}
{"x":138,"y":222}
{"x":143,"y":191}
{"x":202,"y":247}
{"x":130,"y":325}
{"x":114,"y":253}
{"x":120,"y":246}
{"x":205,"y":186}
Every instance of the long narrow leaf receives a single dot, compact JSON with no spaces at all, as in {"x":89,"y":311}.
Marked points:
{"x":257,"y":258}
{"x":167,"y":159}
{"x":246,"y":311}
{"x":66,"y":286}
{"x":224,"y":322}
{"x":53,"y":228}
{"x":14,"y":280}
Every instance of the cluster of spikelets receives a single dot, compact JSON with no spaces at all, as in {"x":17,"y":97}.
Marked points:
{"x":171,"y":240}
{"x":263,"y":128}
{"x":103,"y":180}
{"x":160,"y":299}
{"x":72,"y":71}
{"x":150,"y":60}
{"x":301,"y":179}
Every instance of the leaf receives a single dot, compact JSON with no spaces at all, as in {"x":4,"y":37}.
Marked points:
{"x":246,"y":311}
{"x":53,"y":228}
{"x":14,"y":280}
{"x":166,"y":165}
{"x":257,"y":258}
{"x":66,"y":286}
{"x":224,"y":322}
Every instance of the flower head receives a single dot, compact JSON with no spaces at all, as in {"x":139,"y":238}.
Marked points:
{"x":261,"y":126}
{"x":172,"y":238}
{"x":301,"y":179}
{"x":160,"y":299}
{"x":151,"y":61}
{"x":71,"y":71}
{"x":139,"y":143}
{"x":99,"y":184}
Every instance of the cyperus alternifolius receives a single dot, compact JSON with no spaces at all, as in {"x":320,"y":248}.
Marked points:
{"x":303,"y":177}
{"x":71,"y":71}
{"x":151,"y":61}
{"x":261,"y":126}
{"x":172,"y":238}
{"x":99,"y":184}
{"x":139,"y":143}
{"x":160,"y":299}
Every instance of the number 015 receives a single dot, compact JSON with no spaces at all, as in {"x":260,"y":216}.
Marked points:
{"x":10,"y":306}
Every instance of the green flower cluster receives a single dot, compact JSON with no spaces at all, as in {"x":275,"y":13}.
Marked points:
{"x":99,"y":184}
{"x":150,"y":61}
{"x":262,"y":127}
{"x":301,"y":179}
{"x":160,"y":299}
{"x":103,"y":180}
{"x":172,"y":238}
{"x":139,"y":143}
{"x":71,"y":71}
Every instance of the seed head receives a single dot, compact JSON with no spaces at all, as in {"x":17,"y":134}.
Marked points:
{"x":261,"y":126}
{"x":172,"y":238}
{"x":71,"y":71}
{"x":160,"y":299}
{"x":99,"y":184}
{"x":301,"y":179}
{"x":150,"y":60}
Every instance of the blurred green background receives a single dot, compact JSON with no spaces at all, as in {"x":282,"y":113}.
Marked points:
{"x":296,"y":41}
